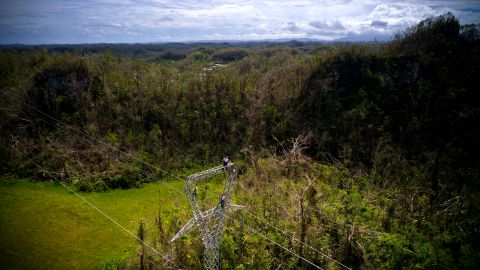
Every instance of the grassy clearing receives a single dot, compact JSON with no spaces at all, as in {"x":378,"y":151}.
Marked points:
{"x":43,"y":225}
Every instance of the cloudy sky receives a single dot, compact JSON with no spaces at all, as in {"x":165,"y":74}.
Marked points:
{"x":131,"y":21}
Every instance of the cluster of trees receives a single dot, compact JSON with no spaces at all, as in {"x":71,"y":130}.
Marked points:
{"x":328,"y":214}
{"x":399,"y":118}
{"x":416,"y":96}
{"x":170,"y":114}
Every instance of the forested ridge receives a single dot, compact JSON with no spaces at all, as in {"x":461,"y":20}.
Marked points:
{"x":379,"y":140}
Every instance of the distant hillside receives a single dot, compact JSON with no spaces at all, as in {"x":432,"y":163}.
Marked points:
{"x":151,"y":51}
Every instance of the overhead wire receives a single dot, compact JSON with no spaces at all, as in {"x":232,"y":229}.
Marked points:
{"x":58,"y":122}
{"x":243,"y":224}
{"x":274,"y":242}
{"x":299,"y":241}
{"x":271,"y":240}
{"x":91,"y":137}
{"x":126,"y":163}
{"x":285,"y":233}
{"x":83,"y":133}
{"x":101,"y":212}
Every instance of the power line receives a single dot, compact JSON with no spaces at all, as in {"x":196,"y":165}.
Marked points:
{"x":250,"y":228}
{"x":287,"y":233}
{"x":274,"y":242}
{"x":295,"y":239}
{"x":58,"y":121}
{"x":101,"y":212}
{"x":93,"y":138}
{"x":163,"y":182}
{"x":271,"y":240}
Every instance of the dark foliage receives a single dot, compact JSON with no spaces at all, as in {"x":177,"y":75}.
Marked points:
{"x":420,"y":93}
{"x":230,"y":55}
{"x":169,"y":55}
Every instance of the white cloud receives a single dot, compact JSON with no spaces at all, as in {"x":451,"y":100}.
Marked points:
{"x":72,"y":21}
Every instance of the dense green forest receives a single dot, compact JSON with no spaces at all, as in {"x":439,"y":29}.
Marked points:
{"x":367,"y":152}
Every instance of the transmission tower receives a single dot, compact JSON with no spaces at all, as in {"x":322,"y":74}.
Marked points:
{"x":210,"y":222}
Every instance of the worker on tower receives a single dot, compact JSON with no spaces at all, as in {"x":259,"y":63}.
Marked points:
{"x":194,"y":193}
{"x":222,"y":200}
{"x":225,"y":161}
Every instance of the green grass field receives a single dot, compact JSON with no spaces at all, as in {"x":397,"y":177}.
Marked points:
{"x":44,"y":226}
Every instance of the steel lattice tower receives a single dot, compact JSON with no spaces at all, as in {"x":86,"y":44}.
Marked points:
{"x":209,"y":222}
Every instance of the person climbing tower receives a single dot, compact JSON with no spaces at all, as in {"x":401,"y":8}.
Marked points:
{"x":222,"y":200}
{"x":194,"y":193}
{"x":225,"y":161}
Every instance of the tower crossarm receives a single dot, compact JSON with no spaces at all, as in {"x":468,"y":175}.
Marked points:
{"x":207,"y":173}
{"x":190,"y":224}
{"x":234,"y":207}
